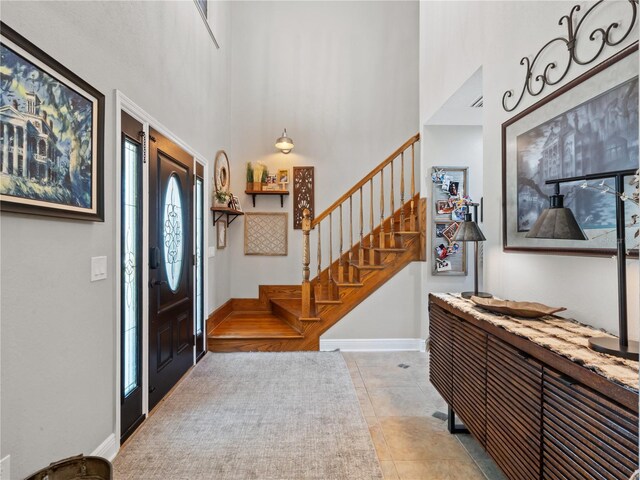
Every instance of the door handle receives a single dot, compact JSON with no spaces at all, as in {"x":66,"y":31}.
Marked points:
{"x":154,"y":283}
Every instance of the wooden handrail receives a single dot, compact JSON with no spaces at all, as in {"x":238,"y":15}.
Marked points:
{"x":362,"y":182}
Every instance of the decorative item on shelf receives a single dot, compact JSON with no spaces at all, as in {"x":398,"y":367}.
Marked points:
{"x":221,"y":198}
{"x":518,"y":309}
{"x":221,"y":234}
{"x":284,"y":143}
{"x":283,"y":179}
{"x":52,"y":134}
{"x":558,"y":222}
{"x":552,"y":73}
{"x":263,"y":179}
{"x":450,"y":200}
{"x":266,"y":234}
{"x":235,"y":203}
{"x":570,"y":133}
{"x":470,"y":232}
{"x":272,"y":183}
{"x":258,"y":170}
{"x":303,"y":194}
{"x":221,"y":173}
{"x":249,"y":176}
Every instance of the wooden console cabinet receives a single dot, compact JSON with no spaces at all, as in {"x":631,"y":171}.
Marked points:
{"x":538,"y":414}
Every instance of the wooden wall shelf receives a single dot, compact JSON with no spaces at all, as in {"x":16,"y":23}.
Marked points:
{"x":254,"y":193}
{"x":219,"y":212}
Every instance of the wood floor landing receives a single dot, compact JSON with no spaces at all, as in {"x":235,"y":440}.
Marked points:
{"x":254,"y":325}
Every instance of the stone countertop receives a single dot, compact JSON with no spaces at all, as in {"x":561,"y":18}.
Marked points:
{"x":563,"y":336}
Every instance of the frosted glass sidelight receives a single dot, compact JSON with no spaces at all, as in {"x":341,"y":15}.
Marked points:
{"x":199,"y":263}
{"x":173,"y":232}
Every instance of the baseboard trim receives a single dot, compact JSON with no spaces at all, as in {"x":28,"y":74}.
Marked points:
{"x":107,"y":449}
{"x":373,"y":344}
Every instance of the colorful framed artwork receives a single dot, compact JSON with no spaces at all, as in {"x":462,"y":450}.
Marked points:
{"x":589,"y":126}
{"x":51,"y":135}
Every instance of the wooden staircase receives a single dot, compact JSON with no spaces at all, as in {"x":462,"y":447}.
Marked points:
{"x":293,"y":317}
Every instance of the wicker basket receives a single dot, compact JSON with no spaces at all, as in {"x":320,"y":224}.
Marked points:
{"x":76,"y":468}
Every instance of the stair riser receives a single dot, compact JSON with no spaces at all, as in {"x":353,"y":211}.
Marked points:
{"x":288,"y":317}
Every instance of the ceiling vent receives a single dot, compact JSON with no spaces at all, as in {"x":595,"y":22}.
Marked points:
{"x":477,"y":103}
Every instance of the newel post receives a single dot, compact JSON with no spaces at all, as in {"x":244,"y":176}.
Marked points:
{"x":306,"y":285}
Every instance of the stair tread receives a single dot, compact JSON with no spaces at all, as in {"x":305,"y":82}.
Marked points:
{"x":366,"y":266}
{"x":294,"y":306}
{"x":254,"y":325}
{"x":349,"y":284}
{"x":389,"y":249}
{"x":328,"y":301}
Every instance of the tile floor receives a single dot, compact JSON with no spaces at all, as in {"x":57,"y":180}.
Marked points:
{"x":398,"y":403}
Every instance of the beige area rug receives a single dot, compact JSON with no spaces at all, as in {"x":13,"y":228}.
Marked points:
{"x":242,"y":416}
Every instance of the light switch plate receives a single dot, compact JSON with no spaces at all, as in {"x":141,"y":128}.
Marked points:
{"x":5,"y":468}
{"x":98,"y":268}
{"x":212,"y":252}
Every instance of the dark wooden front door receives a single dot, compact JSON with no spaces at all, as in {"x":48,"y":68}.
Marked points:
{"x":171,"y":332}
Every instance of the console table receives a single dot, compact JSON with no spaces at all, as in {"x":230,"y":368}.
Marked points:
{"x":541,"y":403}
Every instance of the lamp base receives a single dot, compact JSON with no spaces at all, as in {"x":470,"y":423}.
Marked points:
{"x":473,"y":294}
{"x":612,"y":347}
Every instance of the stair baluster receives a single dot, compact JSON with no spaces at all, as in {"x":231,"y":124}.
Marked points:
{"x":392,"y":237}
{"x":330,"y":286}
{"x":361,"y":249}
{"x":382,"y":242}
{"x":402,"y":225}
{"x":340,"y":261}
{"x":412,"y":215}
{"x":351,"y":271}
{"x":371,"y":241}
{"x":318,"y":285}
{"x":306,"y":285}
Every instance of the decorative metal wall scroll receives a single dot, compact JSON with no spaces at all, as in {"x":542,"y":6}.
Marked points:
{"x":302,"y":194}
{"x":535,"y":84}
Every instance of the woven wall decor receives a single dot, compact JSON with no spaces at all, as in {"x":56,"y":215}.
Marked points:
{"x":302,"y":194}
{"x":265,"y":234}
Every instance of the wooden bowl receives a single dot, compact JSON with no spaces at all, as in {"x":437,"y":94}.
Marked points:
{"x":518,"y":309}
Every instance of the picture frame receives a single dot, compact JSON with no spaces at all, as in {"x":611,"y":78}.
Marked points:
{"x":51,"y":148}
{"x":235,"y":203}
{"x":221,"y":234}
{"x":574,"y":131}
{"x":449,"y":186}
{"x":283,"y":178}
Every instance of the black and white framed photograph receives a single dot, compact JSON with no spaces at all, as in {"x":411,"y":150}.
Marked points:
{"x":587,"y":127}
{"x":51,"y":135}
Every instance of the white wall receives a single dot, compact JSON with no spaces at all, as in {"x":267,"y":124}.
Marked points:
{"x":342,"y":77}
{"x":456,"y":39}
{"x":58,"y":329}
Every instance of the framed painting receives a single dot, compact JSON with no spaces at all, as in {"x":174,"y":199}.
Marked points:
{"x":589,"y":126}
{"x":51,"y":135}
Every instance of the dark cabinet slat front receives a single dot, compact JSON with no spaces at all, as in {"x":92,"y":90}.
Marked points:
{"x":440,"y":345}
{"x":469,"y":370}
{"x":592,"y":433}
{"x":514,"y":406}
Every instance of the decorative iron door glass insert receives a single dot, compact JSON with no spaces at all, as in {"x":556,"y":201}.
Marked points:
{"x":173,"y":233}
{"x":51,"y":135}
{"x":265,"y":234}
{"x":588,"y":126}
{"x":131,"y":246}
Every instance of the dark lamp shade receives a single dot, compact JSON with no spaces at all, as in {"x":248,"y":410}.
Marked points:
{"x":558,"y":223}
{"x":469,"y":231}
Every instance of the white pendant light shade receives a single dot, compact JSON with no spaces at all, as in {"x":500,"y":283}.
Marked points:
{"x":284,"y":143}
